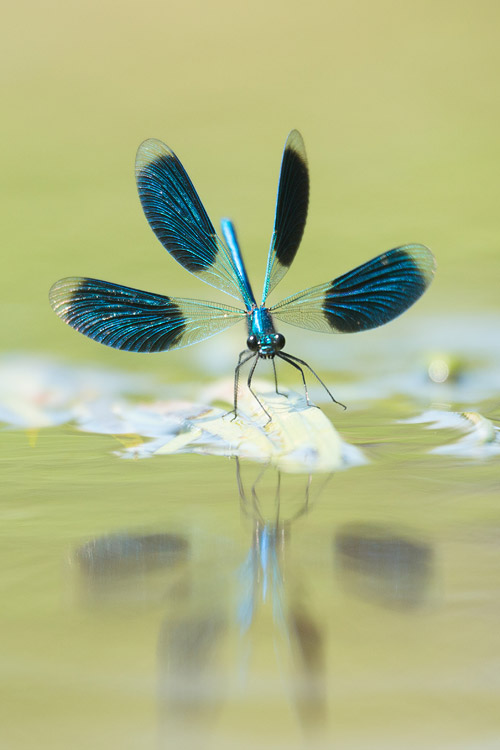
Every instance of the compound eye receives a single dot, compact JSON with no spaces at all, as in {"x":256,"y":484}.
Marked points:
{"x":253,"y":343}
{"x":279,"y":341}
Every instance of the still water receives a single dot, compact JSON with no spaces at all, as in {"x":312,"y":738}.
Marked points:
{"x":192,"y":599}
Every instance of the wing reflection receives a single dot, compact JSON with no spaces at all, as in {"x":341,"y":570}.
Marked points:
{"x":191,"y":683}
{"x":120,"y":567}
{"x":120,"y":555}
{"x":380,"y":564}
{"x":127,"y":568}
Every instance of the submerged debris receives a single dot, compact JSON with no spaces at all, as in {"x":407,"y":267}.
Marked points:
{"x":36,"y":394}
{"x":482,"y":438}
{"x":298,"y":438}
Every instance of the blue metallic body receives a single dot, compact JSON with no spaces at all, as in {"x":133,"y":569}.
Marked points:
{"x":229,"y":233}
{"x":259,"y":320}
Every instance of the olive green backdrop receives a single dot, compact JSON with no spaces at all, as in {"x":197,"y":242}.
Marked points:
{"x":398,"y":104}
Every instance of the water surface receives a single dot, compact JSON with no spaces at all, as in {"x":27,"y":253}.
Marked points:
{"x":201,"y":601}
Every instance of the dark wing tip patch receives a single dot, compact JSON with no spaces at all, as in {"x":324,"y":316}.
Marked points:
{"x":173,"y":208}
{"x":118,"y":316}
{"x":379,"y":291}
{"x":293,"y":200}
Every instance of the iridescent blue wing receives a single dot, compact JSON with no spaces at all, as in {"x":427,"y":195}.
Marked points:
{"x":291,"y":211}
{"x":367,"y":297}
{"x":177,"y":217}
{"x":134,"y":320}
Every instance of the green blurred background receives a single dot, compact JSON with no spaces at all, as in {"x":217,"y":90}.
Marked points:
{"x":398,"y":104}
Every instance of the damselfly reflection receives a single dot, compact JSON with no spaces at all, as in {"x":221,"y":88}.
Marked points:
{"x":137,"y":321}
{"x":272,"y":576}
{"x":271,"y":518}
